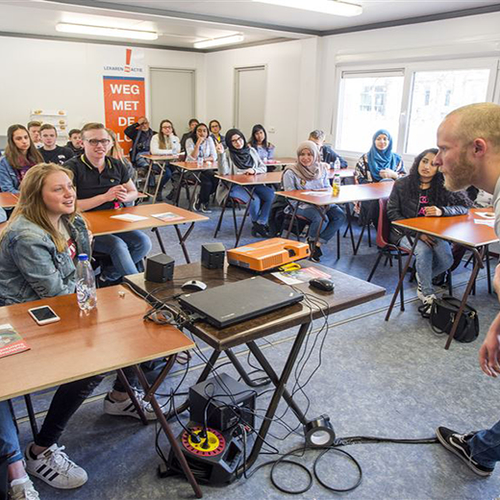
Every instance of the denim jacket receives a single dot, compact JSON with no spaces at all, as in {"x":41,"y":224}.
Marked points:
{"x":9,"y":183}
{"x":30,"y":265}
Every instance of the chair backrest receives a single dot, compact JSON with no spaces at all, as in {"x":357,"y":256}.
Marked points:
{"x":384,"y":224}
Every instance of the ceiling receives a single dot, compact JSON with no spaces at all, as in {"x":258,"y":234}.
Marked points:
{"x":181,"y":23}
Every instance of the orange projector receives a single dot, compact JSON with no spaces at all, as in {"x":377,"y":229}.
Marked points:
{"x":268,"y":254}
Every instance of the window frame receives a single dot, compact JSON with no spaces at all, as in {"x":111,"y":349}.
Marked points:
{"x":409,"y":70}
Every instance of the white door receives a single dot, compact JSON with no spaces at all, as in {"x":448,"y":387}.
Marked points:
{"x":172,"y":97}
{"x":250,"y":98}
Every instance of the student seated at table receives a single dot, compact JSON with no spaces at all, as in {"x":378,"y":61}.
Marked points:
{"x":75,"y":141}
{"x":379,"y":164}
{"x":34,"y":131}
{"x":50,"y":151}
{"x":141,"y":134}
{"x":326,"y":152}
{"x":215,"y":128}
{"x":20,"y":485}
{"x":239,"y":158}
{"x":201,"y":147}
{"x":20,"y":155}
{"x":309,"y":174}
{"x":38,"y":248}
{"x":422,"y":194}
{"x":165,"y":142}
{"x":259,"y":142}
{"x":104,"y":183}
{"x":192,"y":125}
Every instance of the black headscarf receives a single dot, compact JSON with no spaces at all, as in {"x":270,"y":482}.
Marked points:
{"x":241,"y":157}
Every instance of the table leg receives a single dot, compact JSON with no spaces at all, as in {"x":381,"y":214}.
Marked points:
{"x":488,"y":270}
{"x":217,"y":229}
{"x":239,"y":368}
{"x":192,"y":195}
{"x":161,"y":165}
{"x":275,"y":380}
{"x":148,"y":175}
{"x":278,"y":393}
{"x":160,"y":241}
{"x":131,"y":394}
{"x":31,"y":415}
{"x":350,"y":218}
{"x":179,"y":187}
{"x":170,"y":435}
{"x":247,"y":209}
{"x":290,"y":226}
{"x":182,"y":240}
{"x":402,"y":277}
{"x":479,"y":255}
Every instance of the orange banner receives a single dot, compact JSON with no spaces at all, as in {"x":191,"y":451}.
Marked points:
{"x":124,"y":103}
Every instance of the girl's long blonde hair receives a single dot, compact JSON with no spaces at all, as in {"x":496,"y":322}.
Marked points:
{"x":31,"y":205}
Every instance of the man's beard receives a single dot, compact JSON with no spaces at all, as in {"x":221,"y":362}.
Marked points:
{"x":462,"y":175}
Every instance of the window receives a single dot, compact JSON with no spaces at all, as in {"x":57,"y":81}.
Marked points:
{"x":434,"y":95}
{"x":368,"y":103}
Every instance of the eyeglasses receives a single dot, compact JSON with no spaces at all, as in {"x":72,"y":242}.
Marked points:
{"x":238,"y":139}
{"x":95,"y":142}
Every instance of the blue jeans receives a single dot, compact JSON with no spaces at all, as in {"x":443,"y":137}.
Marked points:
{"x":9,"y":442}
{"x":335,"y":215}
{"x":430,"y":262}
{"x":126,"y":251}
{"x":167,"y":175}
{"x":141,"y":162}
{"x":485,"y":446}
{"x":260,"y":206}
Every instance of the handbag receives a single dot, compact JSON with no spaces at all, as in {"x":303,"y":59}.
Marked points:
{"x":442,"y":316}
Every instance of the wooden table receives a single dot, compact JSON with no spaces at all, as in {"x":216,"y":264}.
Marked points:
{"x":8,"y":200}
{"x":349,"y":292}
{"x":248,"y":183}
{"x":101,"y":221}
{"x":191,"y":167}
{"x":460,"y":229}
{"x":160,"y":161}
{"x":111,"y":337}
{"x":347,"y":194}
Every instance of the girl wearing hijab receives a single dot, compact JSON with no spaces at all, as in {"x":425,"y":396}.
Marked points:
{"x":239,"y":158}
{"x":380,"y":162}
{"x":259,"y":142}
{"x":310,"y":174}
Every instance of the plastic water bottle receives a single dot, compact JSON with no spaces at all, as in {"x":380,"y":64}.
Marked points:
{"x":200,"y":160}
{"x":336,"y":185}
{"x":85,"y":284}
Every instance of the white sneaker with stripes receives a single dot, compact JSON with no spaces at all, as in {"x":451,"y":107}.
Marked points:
{"x":127,"y":409}
{"x":55,"y":468}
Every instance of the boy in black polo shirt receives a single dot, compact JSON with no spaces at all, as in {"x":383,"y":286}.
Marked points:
{"x":51,"y":152}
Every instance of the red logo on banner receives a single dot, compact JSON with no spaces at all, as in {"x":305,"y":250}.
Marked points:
{"x":128,"y":57}
{"x":124,"y":103}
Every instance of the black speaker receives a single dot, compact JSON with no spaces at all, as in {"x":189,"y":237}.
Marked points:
{"x":159,"y":268}
{"x":213,"y":255}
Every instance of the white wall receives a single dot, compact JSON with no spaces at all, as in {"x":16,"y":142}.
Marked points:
{"x":291,"y":88}
{"x":42,"y":74}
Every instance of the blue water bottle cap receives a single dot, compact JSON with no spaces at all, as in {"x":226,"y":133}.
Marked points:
{"x":83,"y":256}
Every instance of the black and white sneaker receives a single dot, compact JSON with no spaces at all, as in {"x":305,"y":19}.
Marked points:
{"x":127,"y":408}
{"x":55,"y":468}
{"x":204,"y":209}
{"x":457,"y":444}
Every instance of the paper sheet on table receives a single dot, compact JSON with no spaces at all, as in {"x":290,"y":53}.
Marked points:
{"x":301,"y":275}
{"x":486,"y":215}
{"x":317,"y":193}
{"x":129,"y":217}
{"x":490,"y":223}
{"x":167,"y":216}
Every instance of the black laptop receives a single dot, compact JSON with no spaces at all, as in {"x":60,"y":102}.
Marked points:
{"x":226,"y":305}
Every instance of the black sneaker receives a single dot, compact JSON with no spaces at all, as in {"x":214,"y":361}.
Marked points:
{"x":204,"y":209}
{"x":457,"y":444}
{"x":316,"y":254}
{"x":259,"y":230}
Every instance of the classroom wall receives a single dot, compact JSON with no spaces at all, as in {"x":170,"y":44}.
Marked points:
{"x":291,"y":88}
{"x":53,"y":75}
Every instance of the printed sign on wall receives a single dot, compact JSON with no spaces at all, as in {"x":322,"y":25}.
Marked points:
{"x":124,"y":96}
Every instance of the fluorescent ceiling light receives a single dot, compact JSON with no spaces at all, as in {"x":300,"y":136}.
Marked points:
{"x":216,"y":42}
{"x":333,"y":7}
{"x":83,"y":29}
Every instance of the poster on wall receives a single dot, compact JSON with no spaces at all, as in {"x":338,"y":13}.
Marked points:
{"x":124,"y":94}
